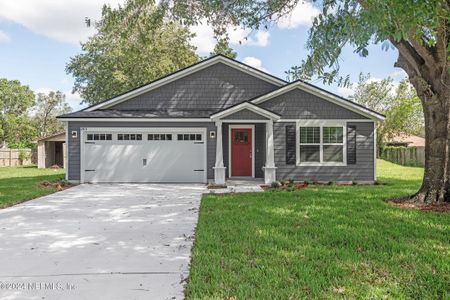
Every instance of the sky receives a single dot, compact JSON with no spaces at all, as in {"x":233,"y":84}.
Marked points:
{"x":38,"y":38}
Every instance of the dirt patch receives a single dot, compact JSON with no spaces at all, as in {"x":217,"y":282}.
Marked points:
{"x":58,"y":185}
{"x":402,"y":203}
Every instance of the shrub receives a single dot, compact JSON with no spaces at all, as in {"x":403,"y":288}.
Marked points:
{"x":275,"y":184}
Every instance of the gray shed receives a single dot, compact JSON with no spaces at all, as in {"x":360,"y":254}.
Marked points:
{"x":52,"y":151}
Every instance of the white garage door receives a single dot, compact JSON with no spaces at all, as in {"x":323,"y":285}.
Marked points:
{"x":170,"y":155}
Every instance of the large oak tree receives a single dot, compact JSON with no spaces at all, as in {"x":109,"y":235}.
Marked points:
{"x":419,"y":30}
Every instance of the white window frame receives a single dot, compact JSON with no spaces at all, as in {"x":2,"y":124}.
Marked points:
{"x":321,"y":124}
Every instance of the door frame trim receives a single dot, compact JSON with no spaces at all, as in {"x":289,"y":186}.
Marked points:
{"x":202,"y":130}
{"x":241,"y":126}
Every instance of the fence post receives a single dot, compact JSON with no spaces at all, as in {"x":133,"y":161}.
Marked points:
{"x":10,"y":158}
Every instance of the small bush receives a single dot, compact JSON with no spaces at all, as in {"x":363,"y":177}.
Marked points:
{"x":275,"y":185}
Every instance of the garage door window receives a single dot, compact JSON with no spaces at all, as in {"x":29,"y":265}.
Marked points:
{"x":159,"y":137}
{"x":129,"y":137}
{"x":189,"y":137}
{"x":99,"y":137}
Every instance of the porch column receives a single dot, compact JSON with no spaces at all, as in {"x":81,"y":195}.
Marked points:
{"x":219,"y":168}
{"x":269,"y":168}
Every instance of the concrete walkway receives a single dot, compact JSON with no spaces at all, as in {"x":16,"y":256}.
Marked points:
{"x":122,"y":241}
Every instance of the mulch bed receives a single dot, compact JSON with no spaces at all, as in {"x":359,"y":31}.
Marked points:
{"x":59,"y":185}
{"x":402,"y":203}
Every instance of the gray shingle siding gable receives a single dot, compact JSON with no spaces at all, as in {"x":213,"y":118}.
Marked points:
{"x":245,"y":114}
{"x":74,"y":144}
{"x":298,"y":104}
{"x":363,"y":170}
{"x":211,"y":89}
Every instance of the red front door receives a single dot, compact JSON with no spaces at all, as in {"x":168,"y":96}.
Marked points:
{"x":241,"y":152}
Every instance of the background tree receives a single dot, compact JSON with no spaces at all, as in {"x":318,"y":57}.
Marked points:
{"x":223,"y":47}
{"x":15,"y":101}
{"x":134,"y":44}
{"x":48,"y":107}
{"x":419,"y":30}
{"x":401,"y":106}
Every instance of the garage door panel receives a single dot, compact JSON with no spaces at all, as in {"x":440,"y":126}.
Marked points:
{"x":145,"y":161}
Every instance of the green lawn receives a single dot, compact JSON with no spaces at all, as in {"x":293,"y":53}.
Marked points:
{"x":22,"y":183}
{"x":322,"y":242}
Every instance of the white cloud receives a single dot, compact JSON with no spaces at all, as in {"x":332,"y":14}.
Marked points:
{"x":345,"y":91}
{"x":56,"y":19}
{"x":205,"y":41}
{"x":4,"y":38}
{"x":400,"y":74}
{"x":254,"y":62}
{"x":302,"y":15}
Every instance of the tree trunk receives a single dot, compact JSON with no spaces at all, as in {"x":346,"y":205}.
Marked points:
{"x":436,"y":107}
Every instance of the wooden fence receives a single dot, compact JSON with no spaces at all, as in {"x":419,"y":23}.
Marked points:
{"x":17,"y":157}
{"x":406,"y":156}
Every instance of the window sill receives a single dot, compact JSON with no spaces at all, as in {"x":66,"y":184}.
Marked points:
{"x":324,"y":164}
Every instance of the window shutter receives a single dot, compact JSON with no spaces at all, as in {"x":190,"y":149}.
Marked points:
{"x":290,"y":144}
{"x":351,"y":145}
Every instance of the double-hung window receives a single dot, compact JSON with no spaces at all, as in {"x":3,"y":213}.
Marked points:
{"x":321,"y":144}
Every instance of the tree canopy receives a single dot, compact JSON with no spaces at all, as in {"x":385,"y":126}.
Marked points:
{"x":223,"y":47}
{"x":48,"y":107}
{"x":15,"y":101}
{"x":401,"y":106}
{"x":134,"y":44}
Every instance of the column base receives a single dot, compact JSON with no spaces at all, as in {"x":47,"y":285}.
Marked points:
{"x":219,"y":175}
{"x":270,"y":175}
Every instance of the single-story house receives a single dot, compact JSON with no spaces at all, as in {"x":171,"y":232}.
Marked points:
{"x":51,"y":151}
{"x":218,"y":119}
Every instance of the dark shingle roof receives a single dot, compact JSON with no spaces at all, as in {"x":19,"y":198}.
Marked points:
{"x":107,"y":113}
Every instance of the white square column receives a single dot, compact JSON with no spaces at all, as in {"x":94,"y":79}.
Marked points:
{"x":219,"y":168}
{"x":269,"y":168}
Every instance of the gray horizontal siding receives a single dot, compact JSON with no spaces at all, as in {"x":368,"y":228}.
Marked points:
{"x":211,"y":89}
{"x":74,"y":144}
{"x":298,"y":104}
{"x":245,"y":114}
{"x":363,"y":170}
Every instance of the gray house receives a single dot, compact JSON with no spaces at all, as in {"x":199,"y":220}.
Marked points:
{"x":218,"y":119}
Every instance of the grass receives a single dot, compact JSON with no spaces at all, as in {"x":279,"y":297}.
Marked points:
{"x":19,"y":184}
{"x":322,"y":242}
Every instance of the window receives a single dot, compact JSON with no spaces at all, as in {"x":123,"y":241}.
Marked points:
{"x":129,"y":137}
{"x":321,"y":145}
{"x":240,"y":136}
{"x":159,"y":137}
{"x":333,"y":144}
{"x":189,"y":137}
{"x":99,"y":137}
{"x":309,"y":144}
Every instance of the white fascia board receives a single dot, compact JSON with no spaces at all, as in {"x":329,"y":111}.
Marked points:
{"x":322,"y":94}
{"x":258,"y":110}
{"x":134,"y":120}
{"x":183,"y":73}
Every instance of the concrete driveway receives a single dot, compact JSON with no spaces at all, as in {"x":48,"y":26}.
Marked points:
{"x":121,"y":241}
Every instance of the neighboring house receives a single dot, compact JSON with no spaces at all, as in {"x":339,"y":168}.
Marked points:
{"x":406,"y":140}
{"x":52,"y":151}
{"x":217,"y":119}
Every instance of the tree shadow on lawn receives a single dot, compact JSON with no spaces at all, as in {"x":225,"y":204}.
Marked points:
{"x":328,"y":241}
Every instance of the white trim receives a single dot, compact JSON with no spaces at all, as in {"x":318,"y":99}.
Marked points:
{"x":243,"y":121}
{"x":66,"y":127}
{"x":180,"y":74}
{"x":322,"y":94}
{"x":321,"y":124}
{"x":375,"y":152}
{"x":331,"y":120}
{"x":201,"y":130}
{"x":245,"y":105}
{"x":252,"y":127}
{"x":135,"y":120}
